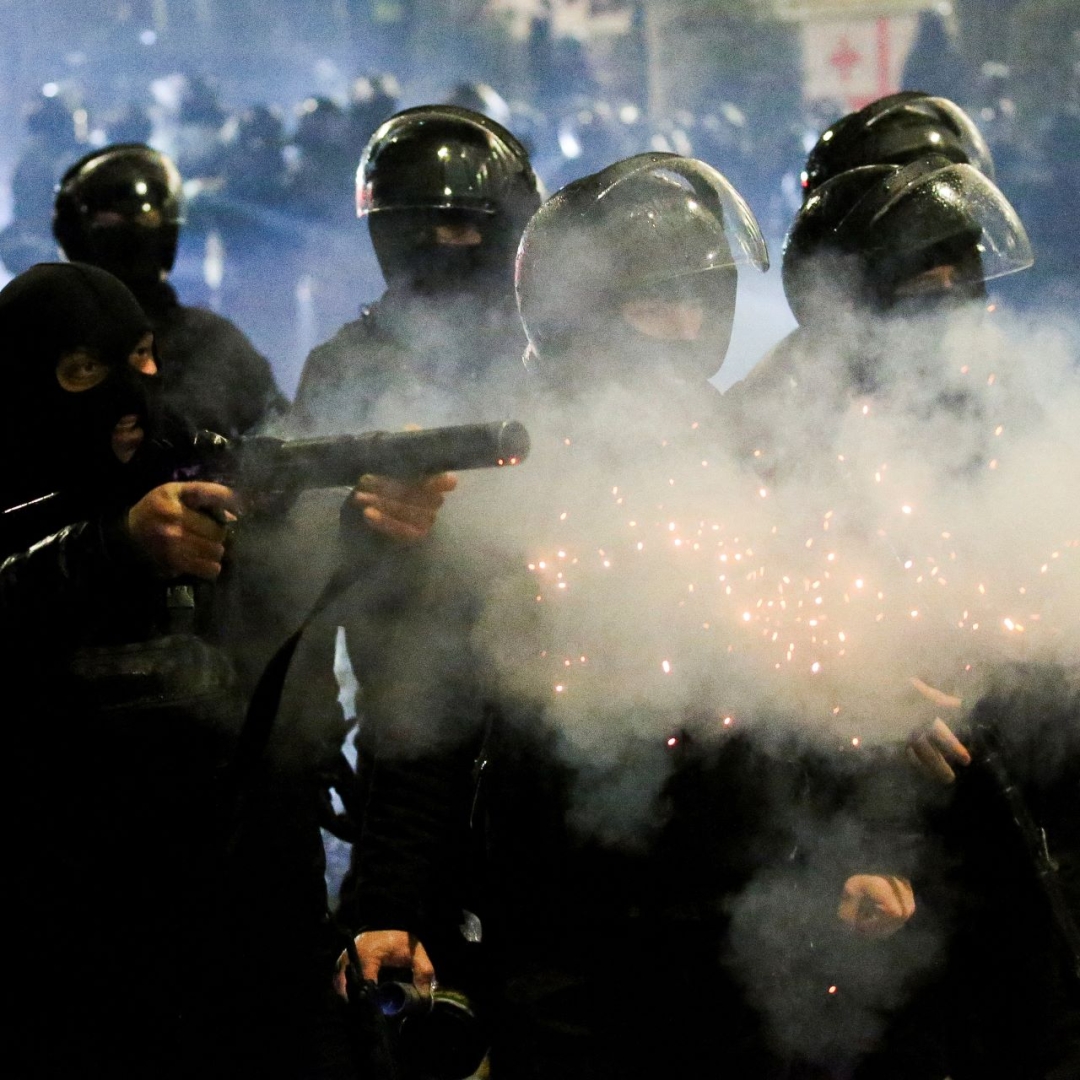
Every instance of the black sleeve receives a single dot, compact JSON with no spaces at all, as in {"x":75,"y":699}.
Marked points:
{"x":875,"y":804}
{"x":340,"y":379}
{"x":74,"y":575}
{"x":344,"y":377}
{"x":408,"y":853}
{"x":408,"y":631}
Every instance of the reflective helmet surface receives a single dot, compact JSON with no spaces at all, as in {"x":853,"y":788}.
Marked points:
{"x":866,"y":232}
{"x":893,"y":131}
{"x":119,"y":206}
{"x":442,"y":157}
{"x":656,"y":225}
{"x":439,"y":165}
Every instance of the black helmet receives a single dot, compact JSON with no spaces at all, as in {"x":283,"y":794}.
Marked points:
{"x":657,"y":226}
{"x":893,"y":131}
{"x":440,"y":164}
{"x":865,"y":233}
{"x":120,"y":208}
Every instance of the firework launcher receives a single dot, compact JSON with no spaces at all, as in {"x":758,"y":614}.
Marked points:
{"x":268,"y":467}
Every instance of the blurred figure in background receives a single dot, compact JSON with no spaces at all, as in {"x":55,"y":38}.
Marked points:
{"x":200,"y":118}
{"x":935,"y":64}
{"x":250,"y":216}
{"x":55,"y":137}
{"x":335,"y":264}
{"x":372,"y":100}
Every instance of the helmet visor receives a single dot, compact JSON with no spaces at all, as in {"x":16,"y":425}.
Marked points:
{"x":696,"y":194}
{"x":132,"y":190}
{"x":953,"y":210}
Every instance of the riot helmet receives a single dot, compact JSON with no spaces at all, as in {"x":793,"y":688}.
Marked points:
{"x":63,"y":437}
{"x":895,"y":130}
{"x":446,"y":192}
{"x":120,"y":208}
{"x":874,"y":238}
{"x":653,"y":234}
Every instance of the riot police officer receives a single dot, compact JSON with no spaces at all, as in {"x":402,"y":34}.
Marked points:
{"x":880,"y":263}
{"x":876,"y":247}
{"x":593,"y":929}
{"x":121,"y":208}
{"x":631,"y":273}
{"x":446,"y":193}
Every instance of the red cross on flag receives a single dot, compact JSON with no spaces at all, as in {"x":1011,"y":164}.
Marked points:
{"x":855,"y":60}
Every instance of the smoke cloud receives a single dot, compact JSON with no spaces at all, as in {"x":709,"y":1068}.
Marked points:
{"x":894,"y":502}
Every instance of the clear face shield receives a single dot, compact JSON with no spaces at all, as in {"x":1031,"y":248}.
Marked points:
{"x":935,"y":227}
{"x":644,"y":271}
{"x":700,"y":203}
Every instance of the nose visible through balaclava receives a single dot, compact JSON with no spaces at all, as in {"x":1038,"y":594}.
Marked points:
{"x":56,"y":439}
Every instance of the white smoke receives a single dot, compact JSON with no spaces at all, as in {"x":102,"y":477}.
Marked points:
{"x":784,"y":565}
{"x":923,"y":530}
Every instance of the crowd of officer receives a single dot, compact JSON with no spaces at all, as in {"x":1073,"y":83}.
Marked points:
{"x":264,"y":181}
{"x":171,"y":642}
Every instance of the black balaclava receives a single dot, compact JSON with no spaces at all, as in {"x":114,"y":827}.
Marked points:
{"x":411,"y":258}
{"x":56,"y":440}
